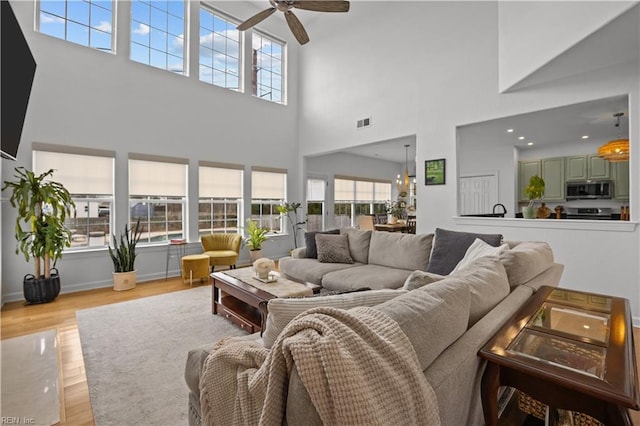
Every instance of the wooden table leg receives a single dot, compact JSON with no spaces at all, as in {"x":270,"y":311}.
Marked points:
{"x":489,"y":394}
{"x":214,"y":298}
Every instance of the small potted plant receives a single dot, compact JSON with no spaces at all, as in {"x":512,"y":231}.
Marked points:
{"x":43,"y":205}
{"x":257,"y":236}
{"x":533,"y":191}
{"x":395,"y":210}
{"x":123,"y":254}
{"x":291,"y":211}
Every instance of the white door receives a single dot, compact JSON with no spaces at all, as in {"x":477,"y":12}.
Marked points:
{"x":478,"y":194}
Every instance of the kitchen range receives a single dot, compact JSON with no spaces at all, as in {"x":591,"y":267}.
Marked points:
{"x":597,"y":213}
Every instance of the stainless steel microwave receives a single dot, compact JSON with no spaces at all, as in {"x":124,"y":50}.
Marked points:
{"x":589,"y":190}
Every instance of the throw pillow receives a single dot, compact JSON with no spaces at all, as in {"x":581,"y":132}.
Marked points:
{"x":359,"y":240}
{"x":432,"y":317}
{"x":477,"y":250}
{"x":419,"y":279}
{"x":526,"y":260}
{"x":487,"y":281}
{"x":333,"y":249}
{"x":310,"y":241}
{"x":282,"y":310}
{"x":449,"y":248}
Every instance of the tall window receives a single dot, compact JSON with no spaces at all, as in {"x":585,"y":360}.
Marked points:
{"x":220,"y":206}
{"x":315,"y":204}
{"x":219,"y":50}
{"x":268,"y":65}
{"x":86,"y":22}
{"x":158,"y":34}
{"x":88,"y":175}
{"x":356,"y":197}
{"x":268,"y":190}
{"x":157,"y":196}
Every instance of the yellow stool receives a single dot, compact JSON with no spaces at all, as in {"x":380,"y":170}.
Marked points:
{"x":195,"y":266}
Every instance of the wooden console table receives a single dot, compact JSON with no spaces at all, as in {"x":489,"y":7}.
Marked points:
{"x":567,"y":349}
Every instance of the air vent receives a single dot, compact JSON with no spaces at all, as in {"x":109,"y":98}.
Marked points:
{"x":365,"y":122}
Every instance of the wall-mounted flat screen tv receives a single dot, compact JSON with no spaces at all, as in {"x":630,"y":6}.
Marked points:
{"x":16,"y":79}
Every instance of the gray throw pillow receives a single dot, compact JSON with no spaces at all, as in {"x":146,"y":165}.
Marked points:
{"x":333,"y":248}
{"x":310,"y":241}
{"x":449,"y":247}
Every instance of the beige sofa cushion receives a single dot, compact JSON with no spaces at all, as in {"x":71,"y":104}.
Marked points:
{"x":283,"y":310}
{"x":401,"y":251}
{"x":419,"y":279}
{"x":359,"y":240}
{"x":479,"y":249}
{"x":487,"y":281}
{"x":526,"y":260}
{"x":432,"y":317}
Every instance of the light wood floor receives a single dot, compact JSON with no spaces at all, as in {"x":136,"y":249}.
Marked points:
{"x":17,"y":319}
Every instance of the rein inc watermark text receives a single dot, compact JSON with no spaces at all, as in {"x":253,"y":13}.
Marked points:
{"x":6,"y":420}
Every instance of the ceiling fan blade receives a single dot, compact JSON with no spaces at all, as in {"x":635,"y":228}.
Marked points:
{"x":296,"y":27}
{"x":255,"y":19}
{"x":323,"y":6}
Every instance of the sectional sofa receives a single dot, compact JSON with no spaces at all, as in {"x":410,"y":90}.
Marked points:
{"x":449,"y":294}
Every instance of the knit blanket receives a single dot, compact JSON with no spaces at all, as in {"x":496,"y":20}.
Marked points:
{"x":358,"y":367}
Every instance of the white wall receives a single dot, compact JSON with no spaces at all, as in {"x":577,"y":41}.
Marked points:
{"x":427,"y":67}
{"x":524,"y":48}
{"x":84,"y":97}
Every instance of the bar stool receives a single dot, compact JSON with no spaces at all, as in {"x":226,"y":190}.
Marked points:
{"x":195,"y":266}
{"x":177,"y":249}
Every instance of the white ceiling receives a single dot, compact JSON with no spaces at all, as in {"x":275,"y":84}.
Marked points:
{"x":558,"y":125}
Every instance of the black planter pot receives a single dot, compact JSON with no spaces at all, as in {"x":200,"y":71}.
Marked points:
{"x":41,"y":290}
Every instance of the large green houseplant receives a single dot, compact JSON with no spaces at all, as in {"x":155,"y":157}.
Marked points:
{"x":290,"y":210}
{"x":257,"y":235}
{"x":533,"y":191}
{"x":43,"y":206}
{"x":123,"y":255}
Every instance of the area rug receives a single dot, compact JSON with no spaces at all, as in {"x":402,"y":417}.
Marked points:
{"x":31,"y":379}
{"x":135,"y":353}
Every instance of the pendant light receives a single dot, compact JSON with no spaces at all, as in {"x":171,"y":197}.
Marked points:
{"x":618,"y":149}
{"x":406,"y":168}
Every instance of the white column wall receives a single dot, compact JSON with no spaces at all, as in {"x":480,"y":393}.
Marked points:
{"x":427,"y":67}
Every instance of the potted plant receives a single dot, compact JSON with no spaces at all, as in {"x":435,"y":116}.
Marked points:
{"x":257,"y":237}
{"x":44,"y":205}
{"x":123,"y":254}
{"x":395,"y":210}
{"x":533,"y":191}
{"x":291,"y":211}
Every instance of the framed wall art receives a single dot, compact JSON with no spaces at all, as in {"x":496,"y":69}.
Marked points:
{"x":434,"y":172}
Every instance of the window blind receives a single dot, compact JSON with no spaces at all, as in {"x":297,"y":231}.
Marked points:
{"x":382,"y":191}
{"x":154,"y":178}
{"x":364,"y":191}
{"x":80,"y":174}
{"x":315,"y":189}
{"x":217,"y":182}
{"x":268,"y":185}
{"x":343,"y":190}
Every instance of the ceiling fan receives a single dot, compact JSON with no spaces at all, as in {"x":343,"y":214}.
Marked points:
{"x":294,"y":23}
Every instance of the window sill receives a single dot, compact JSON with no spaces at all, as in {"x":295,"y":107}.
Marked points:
{"x":573,"y":224}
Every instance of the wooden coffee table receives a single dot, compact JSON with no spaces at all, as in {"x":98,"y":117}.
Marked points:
{"x":569,"y":350}
{"x":239,"y":301}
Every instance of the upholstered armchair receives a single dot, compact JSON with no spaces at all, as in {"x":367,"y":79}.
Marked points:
{"x":222,"y":249}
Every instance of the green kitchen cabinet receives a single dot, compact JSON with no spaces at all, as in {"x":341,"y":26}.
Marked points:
{"x":599,"y":168}
{"x":585,"y":167}
{"x":554,"y":179}
{"x":526,"y":169}
{"x":620,"y":180}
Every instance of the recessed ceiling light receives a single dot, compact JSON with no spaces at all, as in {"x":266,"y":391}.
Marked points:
{"x":585,"y":137}
{"x":509,"y":130}
{"x":521,"y":138}
{"x":530,"y":143}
